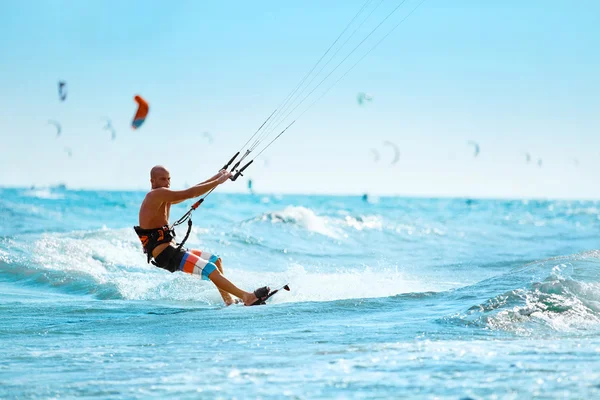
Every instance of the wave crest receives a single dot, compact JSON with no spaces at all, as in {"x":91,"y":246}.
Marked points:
{"x":567,"y":299}
{"x":309,"y":220}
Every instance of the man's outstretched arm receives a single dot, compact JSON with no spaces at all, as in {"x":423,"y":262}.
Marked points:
{"x":216,"y":176}
{"x":177,"y":196}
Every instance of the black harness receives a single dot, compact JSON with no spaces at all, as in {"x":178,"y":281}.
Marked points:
{"x":151,"y":238}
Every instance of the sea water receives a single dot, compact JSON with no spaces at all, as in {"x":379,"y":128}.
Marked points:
{"x":390,"y":298}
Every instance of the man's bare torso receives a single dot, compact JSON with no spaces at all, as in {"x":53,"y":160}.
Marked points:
{"x":154,"y":214}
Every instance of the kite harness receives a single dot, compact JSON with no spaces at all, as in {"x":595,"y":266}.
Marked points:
{"x":151,"y":238}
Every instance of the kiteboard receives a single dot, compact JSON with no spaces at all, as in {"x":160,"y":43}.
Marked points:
{"x":264,"y":294}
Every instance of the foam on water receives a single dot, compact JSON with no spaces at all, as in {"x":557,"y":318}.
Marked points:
{"x":108,"y":264}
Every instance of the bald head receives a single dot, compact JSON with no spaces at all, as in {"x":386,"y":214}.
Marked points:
{"x":156,"y":170}
{"x":160,"y":177}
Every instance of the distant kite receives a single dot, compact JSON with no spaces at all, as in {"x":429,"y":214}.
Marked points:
{"x":396,"y":151}
{"x":361,"y":98}
{"x":476,"y":147}
{"x":142,"y":112}
{"x":528,"y":157}
{"x":208,"y":136}
{"x":62,"y":90}
{"x":109,"y":127}
{"x":56,"y":125}
{"x":375,"y":154}
{"x":539,"y":162}
{"x":69,"y":152}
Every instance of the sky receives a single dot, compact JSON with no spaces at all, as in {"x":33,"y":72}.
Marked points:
{"x":516,"y":77}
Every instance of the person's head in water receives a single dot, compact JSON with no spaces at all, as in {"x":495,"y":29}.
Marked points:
{"x":160,"y":177}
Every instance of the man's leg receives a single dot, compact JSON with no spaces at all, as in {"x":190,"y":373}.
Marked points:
{"x":208,"y":266}
{"x":224,"y":284}
{"x":225,"y":295}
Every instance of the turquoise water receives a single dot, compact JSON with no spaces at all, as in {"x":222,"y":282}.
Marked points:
{"x":391,"y":298}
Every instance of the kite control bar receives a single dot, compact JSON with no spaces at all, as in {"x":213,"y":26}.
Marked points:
{"x":187,"y":216}
{"x":237,"y":173}
{"x":230,"y":161}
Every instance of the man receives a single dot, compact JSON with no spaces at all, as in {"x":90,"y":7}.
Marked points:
{"x":158,"y":239}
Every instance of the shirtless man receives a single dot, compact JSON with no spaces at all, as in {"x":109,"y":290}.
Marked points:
{"x":158,"y":239}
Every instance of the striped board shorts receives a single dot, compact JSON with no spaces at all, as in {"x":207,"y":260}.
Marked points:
{"x":193,"y":262}
{"x":198,"y":262}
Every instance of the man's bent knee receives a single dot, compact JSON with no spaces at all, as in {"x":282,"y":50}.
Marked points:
{"x":214,"y":274}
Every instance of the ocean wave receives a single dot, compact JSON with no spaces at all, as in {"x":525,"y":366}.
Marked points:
{"x":559,"y":294}
{"x":301,"y":217}
{"x":43,"y":193}
{"x":309,"y":220}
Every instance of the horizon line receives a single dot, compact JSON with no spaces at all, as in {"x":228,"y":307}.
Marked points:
{"x":325,"y":194}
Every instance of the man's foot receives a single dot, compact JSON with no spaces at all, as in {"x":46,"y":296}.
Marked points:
{"x":251,"y":299}
{"x":235,"y":301}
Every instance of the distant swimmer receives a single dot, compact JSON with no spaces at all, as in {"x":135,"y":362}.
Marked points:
{"x":157,"y":236}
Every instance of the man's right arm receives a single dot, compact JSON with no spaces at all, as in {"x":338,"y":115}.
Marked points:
{"x":216,"y":176}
